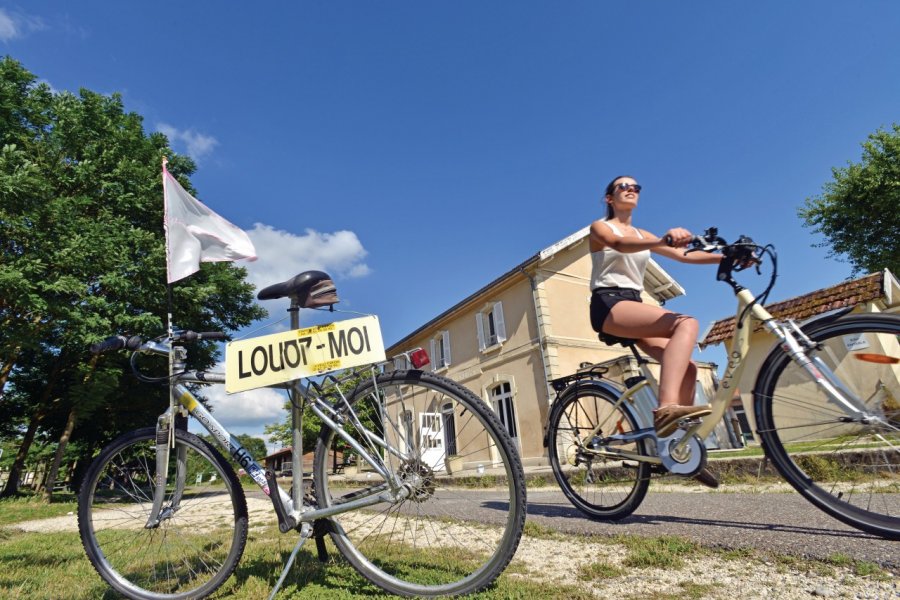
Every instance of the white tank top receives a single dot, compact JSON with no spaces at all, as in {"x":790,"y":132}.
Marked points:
{"x":611,"y":268}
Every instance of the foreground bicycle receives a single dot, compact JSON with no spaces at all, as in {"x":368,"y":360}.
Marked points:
{"x":826,"y":402}
{"x":162,"y":514}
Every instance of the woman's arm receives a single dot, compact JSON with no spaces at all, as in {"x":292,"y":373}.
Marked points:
{"x":602,"y":236}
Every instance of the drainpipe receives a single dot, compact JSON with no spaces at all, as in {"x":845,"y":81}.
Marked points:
{"x":540,"y":332}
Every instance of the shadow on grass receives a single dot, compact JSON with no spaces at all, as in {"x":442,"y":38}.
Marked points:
{"x":334,"y":578}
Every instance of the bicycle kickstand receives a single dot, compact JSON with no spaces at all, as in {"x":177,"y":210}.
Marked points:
{"x":306,"y":532}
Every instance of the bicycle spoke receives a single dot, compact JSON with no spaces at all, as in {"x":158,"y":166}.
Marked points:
{"x":403,"y":547}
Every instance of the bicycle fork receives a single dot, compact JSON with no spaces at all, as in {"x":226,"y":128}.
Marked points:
{"x":796,"y":344}
{"x":165,"y":431}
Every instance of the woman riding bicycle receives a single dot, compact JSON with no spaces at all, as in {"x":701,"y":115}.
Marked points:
{"x":619,"y":254}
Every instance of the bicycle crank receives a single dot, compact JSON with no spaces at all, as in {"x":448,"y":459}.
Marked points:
{"x":686,"y":460}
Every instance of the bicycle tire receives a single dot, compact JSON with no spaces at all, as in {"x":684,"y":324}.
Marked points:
{"x":601,"y":488}
{"x":193,"y":551}
{"x":850,"y":470}
{"x":432,"y":543}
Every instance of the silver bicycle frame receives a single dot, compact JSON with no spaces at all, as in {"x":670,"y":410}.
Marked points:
{"x":184,"y":403}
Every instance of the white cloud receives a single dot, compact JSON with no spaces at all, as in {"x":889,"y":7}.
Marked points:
{"x":283,"y":254}
{"x":197,"y":144}
{"x":17,"y":25}
{"x":247,"y":411}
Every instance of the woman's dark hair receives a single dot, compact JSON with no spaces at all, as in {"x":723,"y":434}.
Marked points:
{"x":610,"y":188}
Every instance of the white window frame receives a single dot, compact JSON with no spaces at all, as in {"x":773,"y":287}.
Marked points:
{"x":440,"y":351}
{"x":491,"y":314}
{"x":504,"y":404}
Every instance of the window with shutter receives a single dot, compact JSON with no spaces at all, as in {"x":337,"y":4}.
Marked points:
{"x":440,"y":350}
{"x":491,"y":326}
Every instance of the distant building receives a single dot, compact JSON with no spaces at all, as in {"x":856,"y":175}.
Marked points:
{"x":528,"y":326}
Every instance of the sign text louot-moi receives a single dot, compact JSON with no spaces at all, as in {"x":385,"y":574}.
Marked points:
{"x":281,"y":357}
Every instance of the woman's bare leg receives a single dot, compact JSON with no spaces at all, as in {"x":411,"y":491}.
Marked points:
{"x":668,"y":337}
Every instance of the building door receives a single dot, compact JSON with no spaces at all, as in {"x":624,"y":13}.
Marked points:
{"x":431,"y":432}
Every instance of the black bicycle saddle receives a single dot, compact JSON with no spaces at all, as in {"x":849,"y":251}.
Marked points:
{"x":309,"y":289}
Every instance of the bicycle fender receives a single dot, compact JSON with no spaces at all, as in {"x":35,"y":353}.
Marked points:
{"x":817,"y":321}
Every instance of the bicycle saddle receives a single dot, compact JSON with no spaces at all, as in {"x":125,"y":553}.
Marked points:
{"x":309,"y":289}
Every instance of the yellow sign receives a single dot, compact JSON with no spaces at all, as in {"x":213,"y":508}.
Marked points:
{"x":281,"y":357}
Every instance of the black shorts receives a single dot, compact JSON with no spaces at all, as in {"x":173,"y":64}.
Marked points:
{"x":602,"y":301}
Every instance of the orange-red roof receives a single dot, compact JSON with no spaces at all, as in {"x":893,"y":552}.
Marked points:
{"x":848,"y":293}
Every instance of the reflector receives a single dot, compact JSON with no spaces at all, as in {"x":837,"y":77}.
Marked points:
{"x":419,"y":358}
{"x":882,"y":359}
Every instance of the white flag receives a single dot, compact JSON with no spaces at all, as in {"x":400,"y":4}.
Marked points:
{"x":195,"y":234}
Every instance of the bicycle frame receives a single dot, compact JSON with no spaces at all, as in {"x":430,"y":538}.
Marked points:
{"x":290,"y":509}
{"x":789,"y":337}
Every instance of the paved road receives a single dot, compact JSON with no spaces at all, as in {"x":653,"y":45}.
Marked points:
{"x":779,"y":522}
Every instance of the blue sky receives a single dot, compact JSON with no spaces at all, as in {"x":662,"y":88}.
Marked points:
{"x":417,"y":150}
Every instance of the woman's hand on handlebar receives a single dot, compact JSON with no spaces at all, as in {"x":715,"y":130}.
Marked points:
{"x":677,"y":237}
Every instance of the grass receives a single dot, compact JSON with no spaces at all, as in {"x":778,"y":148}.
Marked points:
{"x":600,"y":570}
{"x":28,"y":507}
{"x":687,"y":590}
{"x":665,"y":552}
{"x":536,"y":530}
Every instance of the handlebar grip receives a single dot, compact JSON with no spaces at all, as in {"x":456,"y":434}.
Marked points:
{"x":117,"y":342}
{"x":212,"y":335}
{"x":109,"y":344}
{"x":196,"y":336}
{"x":695,"y":240}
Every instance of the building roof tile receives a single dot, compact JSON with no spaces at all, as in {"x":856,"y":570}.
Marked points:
{"x":800,"y":308}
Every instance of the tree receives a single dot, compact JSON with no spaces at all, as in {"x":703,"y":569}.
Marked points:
{"x":859,"y":210}
{"x":254,"y":445}
{"x":281,"y":433}
{"x":82,"y":256}
{"x":338,"y":385}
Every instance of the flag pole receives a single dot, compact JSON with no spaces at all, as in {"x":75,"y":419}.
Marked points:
{"x":169,"y":302}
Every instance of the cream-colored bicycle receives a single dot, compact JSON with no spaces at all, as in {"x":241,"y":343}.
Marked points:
{"x":826,"y":402}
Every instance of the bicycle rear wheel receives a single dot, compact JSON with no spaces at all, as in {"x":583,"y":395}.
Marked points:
{"x":461,"y":521}
{"x":602,"y":488}
{"x":847,"y":465}
{"x":200,"y":538}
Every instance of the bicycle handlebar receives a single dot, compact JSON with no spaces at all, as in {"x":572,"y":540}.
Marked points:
{"x":136,"y":343}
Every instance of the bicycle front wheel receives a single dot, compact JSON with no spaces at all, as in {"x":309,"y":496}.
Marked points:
{"x":463,"y":510}
{"x":203,"y":523}
{"x":601,"y":487}
{"x":846,"y":463}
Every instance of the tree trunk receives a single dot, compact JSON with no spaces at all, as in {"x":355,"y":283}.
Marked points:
{"x":12,"y":481}
{"x":57,"y":456}
{"x":64,"y":438}
{"x":5,"y":370}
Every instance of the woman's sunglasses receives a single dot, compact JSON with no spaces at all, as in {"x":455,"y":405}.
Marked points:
{"x":628,"y":187}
